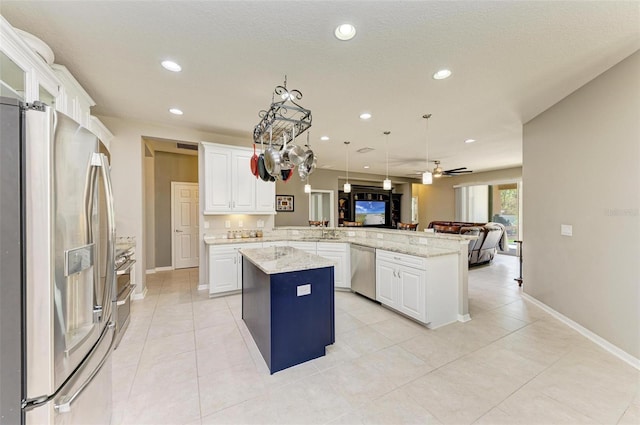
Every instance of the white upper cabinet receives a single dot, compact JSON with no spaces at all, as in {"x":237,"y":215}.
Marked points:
{"x":72,"y":99}
{"x":27,"y":73}
{"x":229,"y":186}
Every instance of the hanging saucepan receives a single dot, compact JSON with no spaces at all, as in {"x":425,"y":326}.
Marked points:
{"x":293,"y":154}
{"x":254,"y":162}
{"x":272,"y":157}
{"x":262,"y":169}
{"x":285,"y":164}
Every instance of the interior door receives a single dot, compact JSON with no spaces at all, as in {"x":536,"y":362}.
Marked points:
{"x":185,"y":225}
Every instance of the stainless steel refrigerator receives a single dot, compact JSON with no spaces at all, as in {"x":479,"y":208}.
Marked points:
{"x":57,"y":281}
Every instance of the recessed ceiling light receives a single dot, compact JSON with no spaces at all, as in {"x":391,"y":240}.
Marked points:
{"x":176,"y":111}
{"x":324,"y":138}
{"x":470,"y":140}
{"x":171,"y":66}
{"x":366,"y":166}
{"x":345,"y":32}
{"x":365,"y":116}
{"x":442,"y":74}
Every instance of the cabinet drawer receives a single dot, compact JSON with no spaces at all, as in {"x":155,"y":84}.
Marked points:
{"x":402,"y":259}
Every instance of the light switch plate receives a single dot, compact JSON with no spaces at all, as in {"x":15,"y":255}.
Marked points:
{"x":240,"y":224}
{"x":304,"y":289}
{"x":227,"y":224}
{"x":206,"y":224}
{"x":566,"y":230}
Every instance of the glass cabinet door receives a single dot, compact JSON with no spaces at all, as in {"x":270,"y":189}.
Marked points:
{"x":45,"y":97}
{"x":12,"y":78}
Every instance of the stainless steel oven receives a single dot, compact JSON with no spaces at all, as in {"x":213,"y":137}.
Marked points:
{"x":124,"y":287}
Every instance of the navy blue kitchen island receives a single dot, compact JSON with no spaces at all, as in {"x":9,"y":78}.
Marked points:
{"x":288,"y":304}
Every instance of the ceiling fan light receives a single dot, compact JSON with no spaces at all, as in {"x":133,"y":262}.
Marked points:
{"x":437,"y":172}
{"x":346,"y":188}
{"x":386,"y":184}
{"x":427,"y":177}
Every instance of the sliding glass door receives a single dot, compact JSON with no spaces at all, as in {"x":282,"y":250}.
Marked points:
{"x":499,"y":202}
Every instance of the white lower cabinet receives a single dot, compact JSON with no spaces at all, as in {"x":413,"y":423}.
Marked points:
{"x":339,"y":253}
{"x":225,"y":267}
{"x":401,"y":283}
{"x":424,"y":289}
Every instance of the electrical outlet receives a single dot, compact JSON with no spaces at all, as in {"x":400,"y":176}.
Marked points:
{"x":566,"y":230}
{"x":206,"y":224}
{"x":260,"y":224}
{"x":227,"y":224}
{"x":240,"y":223}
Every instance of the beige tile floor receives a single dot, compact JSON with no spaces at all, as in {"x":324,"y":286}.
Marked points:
{"x":187,"y":359}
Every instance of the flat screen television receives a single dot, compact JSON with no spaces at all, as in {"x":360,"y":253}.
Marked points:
{"x":371,"y":213}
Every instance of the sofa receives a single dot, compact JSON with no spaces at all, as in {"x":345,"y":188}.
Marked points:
{"x":491,"y":237}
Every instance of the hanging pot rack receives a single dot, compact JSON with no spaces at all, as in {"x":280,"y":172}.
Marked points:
{"x":284,"y":120}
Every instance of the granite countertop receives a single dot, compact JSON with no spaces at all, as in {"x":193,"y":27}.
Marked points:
{"x":282,"y":259}
{"x":402,"y":248}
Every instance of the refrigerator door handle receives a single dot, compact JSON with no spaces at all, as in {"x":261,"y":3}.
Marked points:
{"x":65,"y":405}
{"x":101,"y":159}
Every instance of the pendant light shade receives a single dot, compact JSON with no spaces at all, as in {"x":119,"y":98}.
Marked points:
{"x":386,"y":183}
{"x":427,"y":177}
{"x":307,"y":187}
{"x":347,"y":186}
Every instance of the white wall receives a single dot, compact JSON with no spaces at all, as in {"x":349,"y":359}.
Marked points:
{"x":127,"y":159}
{"x":582,"y":167}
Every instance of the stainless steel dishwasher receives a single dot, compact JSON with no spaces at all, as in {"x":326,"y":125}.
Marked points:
{"x":363,"y":270}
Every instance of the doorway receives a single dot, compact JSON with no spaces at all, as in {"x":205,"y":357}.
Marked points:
{"x":321,"y":206}
{"x":184,"y":224}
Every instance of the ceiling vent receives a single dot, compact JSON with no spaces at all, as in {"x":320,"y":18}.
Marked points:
{"x":187,"y":146}
{"x":364,"y":150}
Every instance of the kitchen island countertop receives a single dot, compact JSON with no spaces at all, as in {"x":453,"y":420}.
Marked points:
{"x":282,"y":259}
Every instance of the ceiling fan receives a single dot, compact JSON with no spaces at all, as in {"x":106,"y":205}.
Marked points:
{"x":439,"y":172}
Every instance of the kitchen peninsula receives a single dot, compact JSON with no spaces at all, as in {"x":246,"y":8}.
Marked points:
{"x":433,"y":292}
{"x":288,"y":304}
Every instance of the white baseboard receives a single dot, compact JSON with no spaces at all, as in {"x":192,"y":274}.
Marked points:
{"x":621,"y":354}
{"x":151,"y":271}
{"x":203,"y":286}
{"x":164,"y":269}
{"x":464,"y":317}
{"x":137,"y":297}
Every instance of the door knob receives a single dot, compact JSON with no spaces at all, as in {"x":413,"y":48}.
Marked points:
{"x":178,"y":231}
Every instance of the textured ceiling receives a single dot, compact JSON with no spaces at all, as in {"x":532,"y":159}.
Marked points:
{"x":510,"y":61}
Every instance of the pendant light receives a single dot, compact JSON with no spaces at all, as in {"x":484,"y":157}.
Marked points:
{"x":307,"y":187}
{"x":386,"y":184}
{"x":346,"y":188}
{"x":427,"y":177}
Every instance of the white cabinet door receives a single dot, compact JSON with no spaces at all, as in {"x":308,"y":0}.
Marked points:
{"x":386,"y":283}
{"x":265,"y":196}
{"x":223,"y":271}
{"x":217,"y":176}
{"x":340,"y":254}
{"x":243,"y":183}
{"x":412,"y":288}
